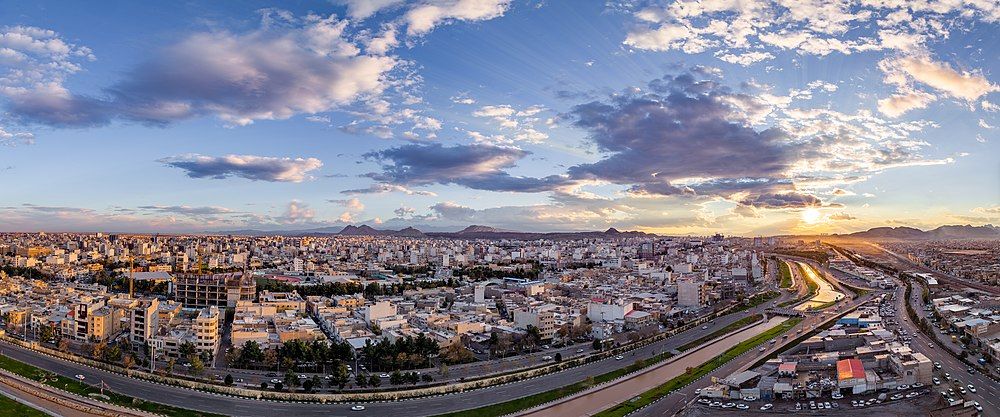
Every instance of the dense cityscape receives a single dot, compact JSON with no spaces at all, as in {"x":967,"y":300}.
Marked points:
{"x":500,"y":208}
{"x":353,"y":318}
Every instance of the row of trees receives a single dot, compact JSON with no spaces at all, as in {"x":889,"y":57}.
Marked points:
{"x":293,"y":354}
{"x":480,"y":273}
{"x":405,"y":353}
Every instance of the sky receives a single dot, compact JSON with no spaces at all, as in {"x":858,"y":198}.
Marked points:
{"x":687,"y":117}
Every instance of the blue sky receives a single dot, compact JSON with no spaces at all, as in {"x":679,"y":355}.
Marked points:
{"x":673,"y":117}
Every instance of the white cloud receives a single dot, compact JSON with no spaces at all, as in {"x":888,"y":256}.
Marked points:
{"x":898,"y":104}
{"x":15,"y":138}
{"x":958,"y":84}
{"x":520,"y":124}
{"x":745,"y":59}
{"x":424,"y":16}
{"x":363,"y":9}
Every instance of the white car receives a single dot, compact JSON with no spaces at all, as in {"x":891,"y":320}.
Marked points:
{"x":358,"y":408}
{"x":619,"y":357}
{"x":383,"y":375}
{"x":546,"y":358}
{"x":80,"y":377}
{"x":579,"y":351}
{"x":704,"y":327}
{"x":728,"y":405}
{"x":937,"y":381}
{"x":837,"y":396}
{"x":766,"y":407}
{"x":742,"y":406}
{"x":972,"y":388}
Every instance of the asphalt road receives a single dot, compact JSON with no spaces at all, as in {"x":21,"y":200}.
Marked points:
{"x":678,"y":399}
{"x":215,"y":403}
{"x":985,"y":387}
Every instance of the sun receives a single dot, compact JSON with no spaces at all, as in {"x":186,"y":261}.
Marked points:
{"x":811,"y":216}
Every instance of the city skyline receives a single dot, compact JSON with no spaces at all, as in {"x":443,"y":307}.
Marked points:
{"x":522,"y":115}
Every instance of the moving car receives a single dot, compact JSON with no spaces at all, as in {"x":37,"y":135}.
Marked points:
{"x":80,"y":377}
{"x":358,"y":408}
{"x":766,"y":407}
{"x":619,"y":357}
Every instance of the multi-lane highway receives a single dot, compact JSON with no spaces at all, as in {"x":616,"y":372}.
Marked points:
{"x":678,"y":399}
{"x":986,"y":388}
{"x":215,"y":403}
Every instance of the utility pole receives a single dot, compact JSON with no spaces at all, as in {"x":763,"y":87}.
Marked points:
{"x":131,"y":277}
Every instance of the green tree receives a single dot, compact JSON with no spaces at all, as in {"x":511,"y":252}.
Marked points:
{"x":375,"y":381}
{"x":46,"y":334}
{"x":361,"y":380}
{"x":229,"y":379}
{"x":197,"y":366}
{"x":169,"y":369}
{"x":187,"y":350}
{"x":340,"y":375}
{"x":291,"y":379}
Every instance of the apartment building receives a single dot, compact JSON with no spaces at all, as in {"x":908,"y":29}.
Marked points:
{"x":143,"y":321}
{"x":544,"y":320}
{"x":219,"y":290}
{"x":200,"y":327}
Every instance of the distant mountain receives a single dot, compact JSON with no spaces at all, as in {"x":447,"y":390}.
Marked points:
{"x":944,"y":232}
{"x":471,"y":232}
{"x":366,"y":230}
{"x":485,"y":232}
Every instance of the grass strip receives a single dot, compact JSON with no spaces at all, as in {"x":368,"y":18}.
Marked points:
{"x":786,"y":274}
{"x":746,"y":321}
{"x":530,"y":401}
{"x":693,"y":374}
{"x":11,"y":408}
{"x":83,"y":389}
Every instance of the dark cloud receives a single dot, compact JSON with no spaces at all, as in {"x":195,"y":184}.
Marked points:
{"x":257,"y":168}
{"x":55,"y":106}
{"x":842,"y":216}
{"x":188,"y":210}
{"x":271,"y":73}
{"x":451,"y":211}
{"x":685,"y":128}
{"x":779,"y":201}
{"x":478,"y":166}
